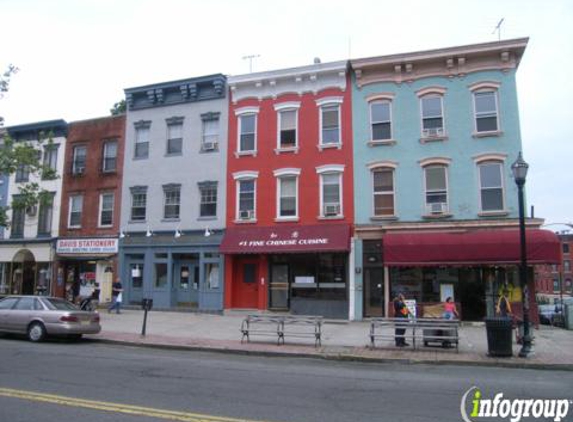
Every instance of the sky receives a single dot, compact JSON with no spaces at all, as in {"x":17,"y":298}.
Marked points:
{"x":76,"y":57}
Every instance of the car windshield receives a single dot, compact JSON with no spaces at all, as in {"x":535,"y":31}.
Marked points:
{"x":61,"y":305}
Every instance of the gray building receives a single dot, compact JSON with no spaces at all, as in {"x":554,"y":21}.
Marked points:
{"x":173,"y":201}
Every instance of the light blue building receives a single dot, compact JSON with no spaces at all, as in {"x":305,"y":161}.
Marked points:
{"x":435,"y":135}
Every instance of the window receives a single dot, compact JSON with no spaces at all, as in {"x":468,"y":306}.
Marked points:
{"x":142,"y":139}
{"x":330,"y":125}
{"x":210,"y":140}
{"x":50,"y":161}
{"x":486,"y":115}
{"x":491,"y":186}
{"x":160,"y":279}
{"x":248,"y":132}
{"x":331,"y":194}
{"x":432,"y":116}
{"x":138,"y":203}
{"x":381,"y":120}
{"x":22,"y":174}
{"x":287,"y":190}
{"x":75,"y":211}
{"x":567,"y":266}
{"x":436,"y":190}
{"x":106,"y":203}
{"x":18,"y":220}
{"x":212,"y":276}
{"x":556,"y":286}
{"x":565,"y":247}
{"x":172,"y":201}
{"x":109,"y":156}
{"x":383,"y":192}
{"x":287,"y":129}
{"x":45,"y":215}
{"x":208,"y":191}
{"x":79,"y":159}
{"x":246,"y":193}
{"x":174,"y":138}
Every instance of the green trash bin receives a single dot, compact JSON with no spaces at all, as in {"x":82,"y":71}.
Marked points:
{"x":499,"y":336}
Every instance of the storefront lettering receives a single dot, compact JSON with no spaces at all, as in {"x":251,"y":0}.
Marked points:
{"x":289,"y":242}
{"x":79,"y":246}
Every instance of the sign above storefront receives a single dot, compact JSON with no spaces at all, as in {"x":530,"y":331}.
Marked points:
{"x":87,"y":246}
{"x":317,"y":238}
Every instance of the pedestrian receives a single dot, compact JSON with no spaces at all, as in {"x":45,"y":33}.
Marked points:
{"x":450,"y":311}
{"x":400,"y":311}
{"x":503,"y":307}
{"x":116,"y":296}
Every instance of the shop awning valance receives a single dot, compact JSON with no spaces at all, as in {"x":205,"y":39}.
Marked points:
{"x":286,"y":239}
{"x":469,"y":248}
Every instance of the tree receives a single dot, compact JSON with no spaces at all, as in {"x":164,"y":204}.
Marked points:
{"x":118,"y":108}
{"x":15,"y":156}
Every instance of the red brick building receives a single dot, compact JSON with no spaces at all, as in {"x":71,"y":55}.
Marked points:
{"x":91,"y":196}
{"x":289,"y":191}
{"x":552,"y":281}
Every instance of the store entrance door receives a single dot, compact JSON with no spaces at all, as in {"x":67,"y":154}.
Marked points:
{"x":279,"y":287}
{"x":373,"y":292}
{"x":246,"y":289}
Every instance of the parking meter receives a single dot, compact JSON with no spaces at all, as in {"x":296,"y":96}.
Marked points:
{"x":146,"y":305}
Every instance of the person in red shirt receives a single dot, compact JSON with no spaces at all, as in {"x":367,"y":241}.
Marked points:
{"x":450,"y":311}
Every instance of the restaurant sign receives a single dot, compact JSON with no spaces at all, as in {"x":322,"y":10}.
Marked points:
{"x":87,"y":246}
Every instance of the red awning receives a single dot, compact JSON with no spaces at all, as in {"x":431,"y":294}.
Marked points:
{"x":286,"y":239}
{"x":469,"y":248}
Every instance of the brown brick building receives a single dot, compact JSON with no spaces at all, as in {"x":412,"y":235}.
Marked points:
{"x":91,"y":197}
{"x":552,"y":281}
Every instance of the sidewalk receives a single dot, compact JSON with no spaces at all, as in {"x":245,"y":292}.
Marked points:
{"x":341,"y":340}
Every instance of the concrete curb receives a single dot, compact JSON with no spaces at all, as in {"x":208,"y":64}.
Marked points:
{"x":337,"y":356}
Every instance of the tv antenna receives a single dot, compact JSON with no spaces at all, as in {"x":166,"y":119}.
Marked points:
{"x":498,"y":29}
{"x":250,"y":59}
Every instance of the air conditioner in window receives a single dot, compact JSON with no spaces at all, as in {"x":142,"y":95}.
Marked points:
{"x":246,"y":215}
{"x":331,"y":210}
{"x":438,"y":208}
{"x":433,"y":132}
{"x":31,"y":211}
{"x":209,"y":146}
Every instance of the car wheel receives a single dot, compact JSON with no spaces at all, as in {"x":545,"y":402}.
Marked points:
{"x":36,"y":332}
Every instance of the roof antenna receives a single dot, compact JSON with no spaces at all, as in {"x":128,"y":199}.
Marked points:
{"x":498,"y":29}
{"x":250,"y":58}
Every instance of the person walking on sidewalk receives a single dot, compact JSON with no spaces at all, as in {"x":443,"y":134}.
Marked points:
{"x":400,"y":311}
{"x":116,"y":296}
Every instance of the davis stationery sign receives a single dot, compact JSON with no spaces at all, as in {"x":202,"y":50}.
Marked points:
{"x":87,"y":246}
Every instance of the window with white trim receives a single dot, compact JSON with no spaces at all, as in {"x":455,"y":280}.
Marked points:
{"x":330,"y":124}
{"x":208,"y":192}
{"x":486,"y":113}
{"x":75,"y":211}
{"x":50,"y":161}
{"x":142,"y":141}
{"x":172,"y":201}
{"x":246,"y":199}
{"x":383,"y":183}
{"x":331,"y":194}
{"x":247,"y":132}
{"x":210,"y":134}
{"x":287,"y":196}
{"x":138,"y":203}
{"x":432,"y":116}
{"x":79,"y":159}
{"x":436,"y":193}
{"x":491,"y":186}
{"x":109,"y":156}
{"x":106,"y":204}
{"x":45,"y":214}
{"x":175,"y":138}
{"x":381,"y":120}
{"x":287,"y":129}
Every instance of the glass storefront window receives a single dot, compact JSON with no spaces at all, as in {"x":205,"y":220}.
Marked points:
{"x":160,"y":279}
{"x":136,"y":274}
{"x":212,"y":276}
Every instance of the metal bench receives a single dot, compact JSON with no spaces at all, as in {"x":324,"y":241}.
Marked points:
{"x":282,"y":326}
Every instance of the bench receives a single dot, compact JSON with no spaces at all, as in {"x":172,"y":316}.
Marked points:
{"x":418,"y":330}
{"x":282,"y":326}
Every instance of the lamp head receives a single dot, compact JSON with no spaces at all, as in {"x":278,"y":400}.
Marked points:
{"x":519,"y":169}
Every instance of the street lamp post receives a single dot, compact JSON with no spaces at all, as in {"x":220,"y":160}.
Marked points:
{"x":519,"y":169}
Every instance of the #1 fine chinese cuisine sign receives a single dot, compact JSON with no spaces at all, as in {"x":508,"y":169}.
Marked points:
{"x":86,"y":246}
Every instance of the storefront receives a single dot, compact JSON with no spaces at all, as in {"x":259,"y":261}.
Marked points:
{"x":86,"y":265}
{"x":300,"y":269}
{"x":472,"y":266}
{"x":26,"y":269}
{"x":178,"y":272}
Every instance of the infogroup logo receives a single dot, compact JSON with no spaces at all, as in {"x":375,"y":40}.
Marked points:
{"x":512,"y":409}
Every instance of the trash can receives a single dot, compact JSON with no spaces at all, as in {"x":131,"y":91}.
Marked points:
{"x":499,"y":339}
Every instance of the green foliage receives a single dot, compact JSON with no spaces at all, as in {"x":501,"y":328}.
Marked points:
{"x":118,"y":108}
{"x":5,"y":83}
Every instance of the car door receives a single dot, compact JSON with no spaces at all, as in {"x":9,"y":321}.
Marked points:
{"x":22,"y":313}
{"x":6,"y":309}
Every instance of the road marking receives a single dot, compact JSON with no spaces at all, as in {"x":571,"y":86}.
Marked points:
{"x":115,"y":407}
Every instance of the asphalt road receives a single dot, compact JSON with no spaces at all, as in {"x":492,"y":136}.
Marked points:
{"x":90,"y":381}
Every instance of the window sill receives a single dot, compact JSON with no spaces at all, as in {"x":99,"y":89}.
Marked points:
{"x":432,"y":139}
{"x":491,"y":134}
{"x":137,"y":221}
{"x":74,"y":227}
{"x":384,"y":218}
{"x":107,"y":226}
{"x":171,"y":220}
{"x":173,"y":154}
{"x":335,"y":217}
{"x":207,"y":218}
{"x":245,"y":154}
{"x":293,"y":150}
{"x":493,"y":214}
{"x":287,"y":220}
{"x":382,"y":142}
{"x":252,"y":221}
{"x":437,"y":216}
{"x":140,"y":158}
{"x":322,"y":147}
{"x":108,"y":172}
{"x":208,"y":151}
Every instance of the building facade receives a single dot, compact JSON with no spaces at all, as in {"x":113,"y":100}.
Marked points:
{"x":91,"y":201}
{"x":4,"y":179}
{"x":289,"y":191}
{"x":173,"y":201}
{"x":554,"y":281}
{"x":27,"y":253}
{"x":435,"y":135}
